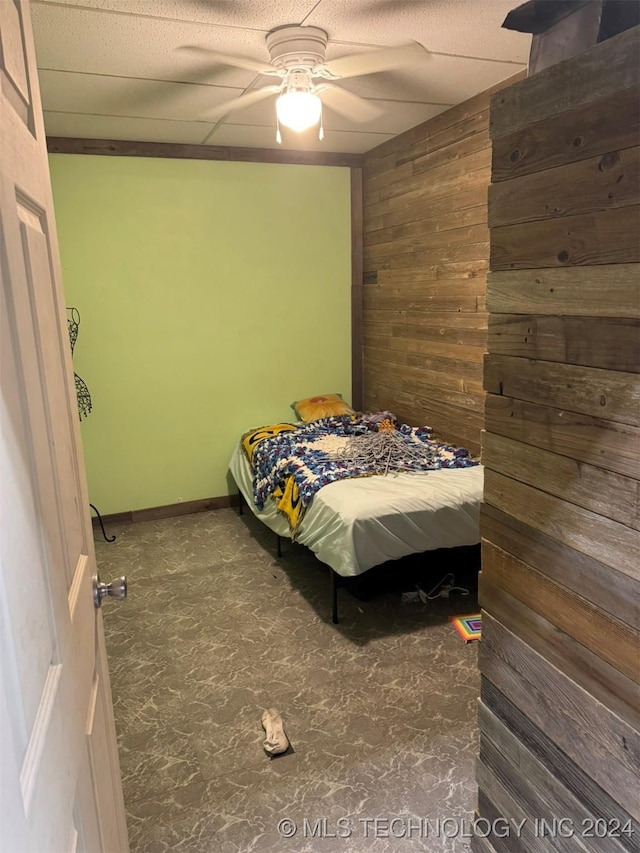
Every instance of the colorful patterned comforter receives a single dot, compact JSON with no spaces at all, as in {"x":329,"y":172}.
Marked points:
{"x":291,"y":462}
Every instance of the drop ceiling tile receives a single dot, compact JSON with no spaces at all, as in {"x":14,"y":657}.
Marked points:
{"x":465,"y":27}
{"x":251,"y":136}
{"x":113,"y":127}
{"x":122,"y":59}
{"x":121,"y":96}
{"x":71,"y":39}
{"x":436,"y":79}
{"x":253,"y":14}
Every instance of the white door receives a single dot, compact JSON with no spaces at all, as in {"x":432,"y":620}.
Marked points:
{"x":60,"y":785}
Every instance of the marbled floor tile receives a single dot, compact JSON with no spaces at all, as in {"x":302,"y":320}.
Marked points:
{"x":146,"y":694}
{"x":238,"y":705}
{"x":226,"y":747}
{"x":380,"y":709}
{"x":158,"y":760}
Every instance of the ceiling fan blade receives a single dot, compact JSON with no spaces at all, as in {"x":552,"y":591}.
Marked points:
{"x":348,"y":104}
{"x":246,"y":62}
{"x":151,"y":97}
{"x":377,"y":60}
{"x":246,"y":100}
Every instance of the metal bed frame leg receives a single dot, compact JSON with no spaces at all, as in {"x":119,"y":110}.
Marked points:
{"x":104,"y":533}
{"x":279,"y":543}
{"x":240,"y":503}
{"x":334,"y":596}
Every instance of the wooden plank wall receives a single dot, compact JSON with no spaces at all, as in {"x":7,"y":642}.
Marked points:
{"x":426,"y":254}
{"x":560,"y":581}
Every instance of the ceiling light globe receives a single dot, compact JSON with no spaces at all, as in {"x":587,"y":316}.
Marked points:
{"x":298,"y":110}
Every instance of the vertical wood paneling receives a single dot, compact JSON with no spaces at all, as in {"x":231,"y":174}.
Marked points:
{"x":560,"y":586}
{"x":426,"y":253}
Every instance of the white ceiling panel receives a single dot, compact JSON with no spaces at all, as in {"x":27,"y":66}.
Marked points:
{"x":115,"y":68}
{"x":252,"y":136}
{"x":87,"y":126}
{"x":440,"y":79}
{"x":70,"y":92}
{"x":463,"y":27}
{"x":254,"y":14}
{"x":71,"y":39}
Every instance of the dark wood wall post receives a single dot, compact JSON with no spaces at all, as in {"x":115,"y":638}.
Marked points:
{"x":357,"y":342}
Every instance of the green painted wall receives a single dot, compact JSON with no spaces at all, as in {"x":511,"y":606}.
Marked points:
{"x":211,"y":295}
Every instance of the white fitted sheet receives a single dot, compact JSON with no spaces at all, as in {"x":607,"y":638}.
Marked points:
{"x":353,"y":525}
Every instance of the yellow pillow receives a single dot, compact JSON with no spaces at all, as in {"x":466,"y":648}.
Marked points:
{"x":322,"y":406}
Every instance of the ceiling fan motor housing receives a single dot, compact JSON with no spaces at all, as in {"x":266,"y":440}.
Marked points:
{"x":297,"y":48}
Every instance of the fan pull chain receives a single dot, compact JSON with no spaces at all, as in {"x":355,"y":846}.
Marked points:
{"x":321,"y":132}
{"x":278,"y":134}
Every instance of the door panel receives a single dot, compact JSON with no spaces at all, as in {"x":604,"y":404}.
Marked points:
{"x":59,"y":776}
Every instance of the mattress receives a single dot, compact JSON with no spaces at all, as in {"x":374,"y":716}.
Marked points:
{"x":355,"y":524}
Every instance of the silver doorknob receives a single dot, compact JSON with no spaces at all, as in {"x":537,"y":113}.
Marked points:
{"x":116,"y":589}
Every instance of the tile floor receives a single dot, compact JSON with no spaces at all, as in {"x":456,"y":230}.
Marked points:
{"x":380,"y":709}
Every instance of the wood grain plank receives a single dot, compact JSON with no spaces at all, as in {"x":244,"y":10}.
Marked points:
{"x":608,"y":343}
{"x":595,"y":489}
{"x":173,"y":510}
{"x":441,"y":255}
{"x":450,"y":424}
{"x":414,"y":381}
{"x":610,"y":395}
{"x":377,"y":329}
{"x":515,"y":766}
{"x":613,"y":591}
{"x":531,"y":793}
{"x":609,"y":124}
{"x":379,"y":359}
{"x":426,"y":239}
{"x":446,"y":352}
{"x":608,"y":181}
{"x":608,"y":638}
{"x":444,"y":176}
{"x":444,"y":325}
{"x":450,"y":204}
{"x":421,"y":296}
{"x":426,"y":257}
{"x":601,"y":291}
{"x":605,"y":444}
{"x":431,"y":140}
{"x":182,"y":151}
{"x":480,"y":844}
{"x":449,"y":221}
{"x":449,"y":126}
{"x":439,"y":131}
{"x":448,"y":334}
{"x":389,"y":176}
{"x":568,"y":773}
{"x":448,"y":271}
{"x":597,"y":740}
{"x":429,"y":191}
{"x":427,"y":162}
{"x":605,"y":540}
{"x":603,"y":681}
{"x":495,"y":803}
{"x":601,"y":237}
{"x":432,"y":129}
{"x":595,"y":74}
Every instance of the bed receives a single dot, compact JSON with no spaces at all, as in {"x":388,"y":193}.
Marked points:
{"x":359,"y":522}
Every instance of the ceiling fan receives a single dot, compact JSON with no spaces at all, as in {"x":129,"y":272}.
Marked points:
{"x":306,"y":79}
